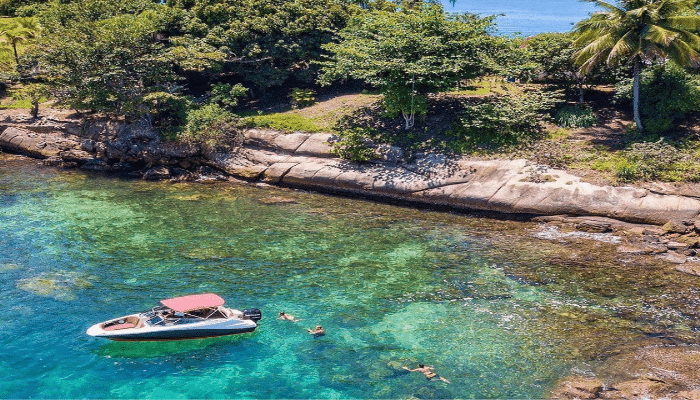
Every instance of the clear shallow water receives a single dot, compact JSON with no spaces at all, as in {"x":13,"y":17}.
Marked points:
{"x":497,"y":311}
{"x":528,"y":17}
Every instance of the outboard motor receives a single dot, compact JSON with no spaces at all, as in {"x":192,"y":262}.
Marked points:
{"x":253,"y":314}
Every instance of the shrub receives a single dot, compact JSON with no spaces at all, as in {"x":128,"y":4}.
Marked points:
{"x":404,"y":101}
{"x":667,"y":95}
{"x":503,"y":121}
{"x":575,"y":116}
{"x":226,"y":95}
{"x":649,"y":161}
{"x":352,"y":146}
{"x":169,"y":111}
{"x":210,"y":125}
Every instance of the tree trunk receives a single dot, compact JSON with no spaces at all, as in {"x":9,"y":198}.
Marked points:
{"x":580,"y":92}
{"x":14,"y":47}
{"x":35,"y":109}
{"x":409,"y":118}
{"x":635,"y":91}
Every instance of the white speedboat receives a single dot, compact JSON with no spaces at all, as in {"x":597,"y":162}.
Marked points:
{"x":187,"y":317}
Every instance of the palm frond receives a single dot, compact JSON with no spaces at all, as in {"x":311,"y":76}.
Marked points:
{"x":682,"y":54}
{"x":625,"y":46}
{"x":685,"y":22}
{"x":588,"y":64}
{"x":659,"y":34}
{"x":669,"y":8}
{"x":611,"y":8}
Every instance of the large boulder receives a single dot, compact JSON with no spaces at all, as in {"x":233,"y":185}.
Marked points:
{"x":39,"y":145}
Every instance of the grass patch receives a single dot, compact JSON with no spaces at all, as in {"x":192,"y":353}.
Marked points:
{"x":557,"y":133}
{"x":11,"y":104}
{"x":14,"y":99}
{"x":288,"y":122}
{"x":486,"y":86}
{"x":609,"y":163}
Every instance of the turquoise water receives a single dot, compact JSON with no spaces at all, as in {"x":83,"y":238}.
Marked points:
{"x":499,"y":313}
{"x":528,"y":17}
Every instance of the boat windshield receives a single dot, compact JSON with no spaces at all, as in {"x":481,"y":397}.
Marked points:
{"x":162,"y":315}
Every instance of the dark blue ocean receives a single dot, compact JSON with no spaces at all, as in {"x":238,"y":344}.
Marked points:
{"x":527,"y":17}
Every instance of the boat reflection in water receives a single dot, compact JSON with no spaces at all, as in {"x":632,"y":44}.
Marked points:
{"x":188,"y":317}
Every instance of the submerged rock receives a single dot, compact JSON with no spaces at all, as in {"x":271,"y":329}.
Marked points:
{"x":579,"y":388}
{"x":8,"y":267}
{"x":655,"y":372}
{"x":58,"y":285}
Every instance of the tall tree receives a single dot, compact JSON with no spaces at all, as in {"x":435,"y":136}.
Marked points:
{"x":639,"y":32}
{"x":410,"y":52}
{"x":262,"y":43}
{"x":102,"y":55}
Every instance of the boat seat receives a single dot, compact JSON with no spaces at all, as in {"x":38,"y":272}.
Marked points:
{"x":125,"y":325}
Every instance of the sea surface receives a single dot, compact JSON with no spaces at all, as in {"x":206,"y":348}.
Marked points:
{"x":502,"y":309}
{"x":527,"y":17}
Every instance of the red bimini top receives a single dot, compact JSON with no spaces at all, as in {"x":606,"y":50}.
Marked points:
{"x":193,"y":302}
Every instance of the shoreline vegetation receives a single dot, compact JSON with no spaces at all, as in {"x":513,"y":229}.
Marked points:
{"x":396,"y":99}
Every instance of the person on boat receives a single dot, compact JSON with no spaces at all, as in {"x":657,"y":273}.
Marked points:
{"x":285,"y":316}
{"x":428,"y":371}
{"x":317,"y":331}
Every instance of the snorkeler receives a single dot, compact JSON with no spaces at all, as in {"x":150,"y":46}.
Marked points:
{"x":429,"y":372}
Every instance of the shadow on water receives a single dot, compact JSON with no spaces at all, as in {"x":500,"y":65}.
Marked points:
{"x":150,"y":349}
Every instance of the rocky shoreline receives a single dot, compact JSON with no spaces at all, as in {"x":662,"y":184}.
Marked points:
{"x":661,"y":225}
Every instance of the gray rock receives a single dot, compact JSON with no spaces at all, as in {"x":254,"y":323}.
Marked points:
{"x":88,"y":145}
{"x":158,"y":173}
{"x":634,"y":250}
{"x":317,"y":145}
{"x":388,"y":153}
{"x":676,"y":225}
{"x":677,"y":246}
{"x":304,"y":160}
{"x":594,"y":226}
{"x":673,"y":257}
{"x":689,"y":268}
{"x":76,"y":155}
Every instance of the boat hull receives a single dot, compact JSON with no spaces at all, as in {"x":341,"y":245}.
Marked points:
{"x":197,"y":330}
{"x":177,"y":335}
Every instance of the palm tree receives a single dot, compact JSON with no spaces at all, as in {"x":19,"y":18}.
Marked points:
{"x":22,"y":29}
{"x":639,"y":32}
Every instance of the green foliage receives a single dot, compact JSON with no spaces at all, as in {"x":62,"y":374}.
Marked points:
{"x":639,"y":31}
{"x":353,"y":146}
{"x":35,"y":94}
{"x":210,"y":125}
{"x":105,"y":56}
{"x":654,"y":29}
{"x":668,"y":95}
{"x":16,"y":35}
{"x":649,"y":161}
{"x":14,"y":8}
{"x":421,"y":48}
{"x":302,"y":97}
{"x":288,"y":122}
{"x":402,"y":100}
{"x":511,"y":58}
{"x":264,"y":42}
{"x":503,"y":121}
{"x":575,"y":116}
{"x":226,"y":95}
{"x":169,"y":112}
